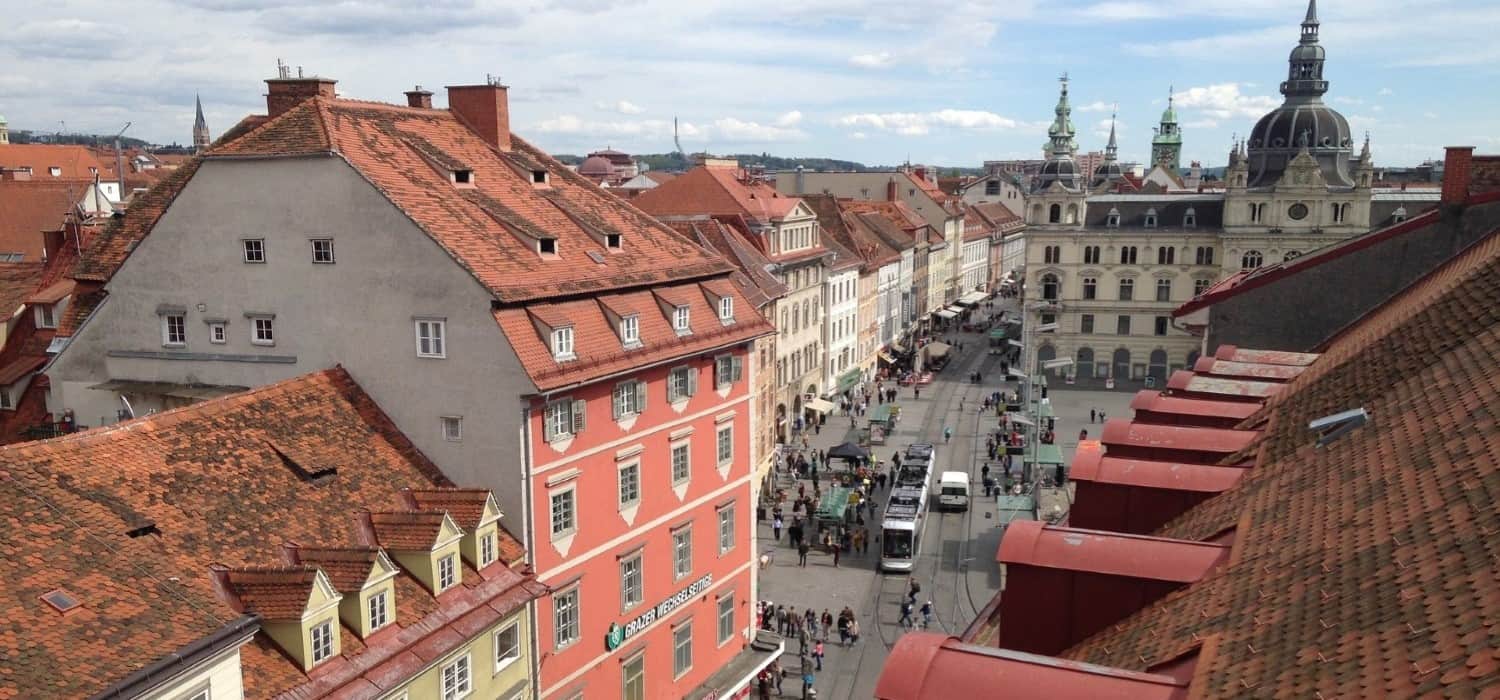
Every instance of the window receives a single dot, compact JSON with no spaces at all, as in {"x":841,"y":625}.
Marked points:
{"x":445,"y":573}
{"x":546,"y":246}
{"x":1112,"y":219}
{"x":379,"y":610}
{"x":563,"y":419}
{"x":507,"y":645}
{"x":1151,"y":218}
{"x":630,"y":330}
{"x":263,"y":331}
{"x":1051,"y":254}
{"x":1166,"y":255}
{"x":255,"y":250}
{"x":1086,"y":324}
{"x":46,"y":316}
{"x":218,"y":332}
{"x":453,"y":428}
{"x":682,"y":552}
{"x":633,"y":683}
{"x":680,"y":321}
{"x":630,"y":484}
{"x":1251,"y":260}
{"x":1049,"y":318}
{"x":5,"y":402}
{"x":1190,"y":218}
{"x":1091,"y":255}
{"x":726,"y":309}
{"x":726,"y":619}
{"x":202,"y":693}
{"x":174,"y":330}
{"x":538,"y":177}
{"x":726,"y":445}
{"x":992,"y":187}
{"x":727,"y":369}
{"x":681,"y":463}
{"x":457,"y":680}
{"x":726,"y":528}
{"x":463,"y":176}
{"x":1127,"y":255}
{"x":1054,"y":214}
{"x":682,"y":649}
{"x":1050,"y":286}
{"x":1127,"y":289}
{"x":486,"y":549}
{"x":431,"y":334}
{"x":565,"y":618}
{"x":682,"y":382}
{"x":1205,"y":255}
{"x":1337,"y":213}
{"x":1090,"y":288}
{"x":1161,"y":325}
{"x":629,"y":399}
{"x":322,"y":251}
{"x":1164,"y":290}
{"x":564,"y":519}
{"x":562,"y":343}
{"x":631,"y":586}
{"x":1122,"y":325}
{"x":322,"y":641}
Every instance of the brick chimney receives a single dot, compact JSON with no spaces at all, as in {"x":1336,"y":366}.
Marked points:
{"x":890,"y":190}
{"x":485,"y":109}
{"x":285,"y":93}
{"x":1456,"y":173}
{"x":417,"y":97}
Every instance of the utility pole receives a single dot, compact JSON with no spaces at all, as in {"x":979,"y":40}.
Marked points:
{"x":120,"y":161}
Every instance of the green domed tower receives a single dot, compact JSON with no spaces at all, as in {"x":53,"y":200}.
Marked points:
{"x":1166,"y":145}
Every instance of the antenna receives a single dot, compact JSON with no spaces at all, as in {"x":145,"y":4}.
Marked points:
{"x":678,"y":141}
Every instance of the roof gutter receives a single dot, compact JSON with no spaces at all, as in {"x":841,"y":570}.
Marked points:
{"x":232,"y":635}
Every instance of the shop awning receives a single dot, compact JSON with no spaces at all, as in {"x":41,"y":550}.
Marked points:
{"x":972,"y":298}
{"x":849,"y":379}
{"x":937,"y":349}
{"x":1044,"y":454}
{"x":1019,"y":418}
{"x":1015,"y":343}
{"x":885,"y":356}
{"x":945,"y":314}
{"x":819,"y":405}
{"x":997,"y":334}
{"x":740,"y":672}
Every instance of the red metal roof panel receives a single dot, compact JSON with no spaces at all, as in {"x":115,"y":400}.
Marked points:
{"x":1119,"y":431}
{"x":1266,"y":357}
{"x":1183,"y":380}
{"x":1157,"y":402}
{"x":1097,"y":551}
{"x":930,"y":666}
{"x":1247,"y":370}
{"x":1152,"y":474}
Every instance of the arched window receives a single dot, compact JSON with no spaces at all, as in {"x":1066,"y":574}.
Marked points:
{"x":1251,"y":260}
{"x":1205,"y":255}
{"x":1254,"y":213}
{"x":1399,"y":215}
{"x":1127,"y":255}
{"x":1091,"y":255}
{"x":1151,"y":217}
{"x":1338,"y":213}
{"x":1050,"y":286}
{"x":1036,"y":213}
{"x":1072,"y":214}
{"x":1166,"y":255}
{"x":1054,"y":215}
{"x":1344,"y":212}
{"x":1112,"y":220}
{"x":1190,"y":218}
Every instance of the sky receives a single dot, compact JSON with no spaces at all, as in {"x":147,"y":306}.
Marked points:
{"x":943,"y":82}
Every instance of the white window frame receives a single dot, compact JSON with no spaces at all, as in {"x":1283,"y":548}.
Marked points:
{"x":563,"y":418}
{"x":250,"y":256}
{"x":719,"y":444}
{"x":202,"y":692}
{"x":452,"y":427}
{"x":487,"y":554}
{"x":447,"y":573}
{"x":630,"y":330}
{"x":218,"y":332}
{"x":688,"y":381}
{"x":684,"y":448}
{"x":256,"y":337}
{"x":631,"y":596}
{"x":377,"y":608}
{"x":726,"y":528}
{"x":638,"y":661}
{"x":571,"y":520}
{"x":167,"y":329}
{"x":682,"y":321}
{"x":5,"y":402}
{"x":632,"y":468}
{"x":565,"y":635}
{"x":433,"y":332}
{"x":629,"y":398}
{"x":46,"y":315}
{"x":678,"y":644}
{"x":322,"y":649}
{"x":457,"y":679}
{"x":682,"y":552}
{"x":562,"y":344}
{"x":726,"y":309}
{"x":507,"y":653}
{"x":725,"y":609}
{"x":314,"y":243}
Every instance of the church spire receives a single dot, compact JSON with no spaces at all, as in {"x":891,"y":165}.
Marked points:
{"x":1061,"y":132}
{"x":200,"y":127}
{"x":1305,"y":69}
{"x":1166,"y":146}
{"x":1111,"y":149}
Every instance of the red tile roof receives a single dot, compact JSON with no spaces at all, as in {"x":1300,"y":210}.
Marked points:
{"x":1365,"y":567}
{"x":1122,"y":432}
{"x":464,"y":505}
{"x":18,"y":281}
{"x":716,"y":190}
{"x":485,"y":227}
{"x":75,"y":162}
{"x":347,"y":568}
{"x":406,"y":530}
{"x":1213,"y":367}
{"x":848,"y":229}
{"x":216,"y":491}
{"x":276,"y":594}
{"x":1035,"y":543}
{"x":1230,"y":412}
{"x":1187,"y":383}
{"x":1143,"y":473}
{"x":29,"y":208}
{"x":110,"y":248}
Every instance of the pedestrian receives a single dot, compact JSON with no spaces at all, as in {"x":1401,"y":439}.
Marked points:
{"x":791,"y":622}
{"x":836,"y":557}
{"x":905,"y":620}
{"x":781,"y":620}
{"x":807,"y":677}
{"x":811,"y":618}
{"x":794,"y":533}
{"x":1093,"y":413}
{"x":916,"y":392}
{"x":853,"y":632}
{"x":926,"y":614}
{"x":947,"y":434}
{"x":763,"y":685}
{"x":843,"y":631}
{"x":1101,"y":416}
{"x":802,"y":549}
{"x":818,"y":654}
{"x":776,"y":528}
{"x":777,"y":673}
{"x":802,"y":638}
{"x":827,"y":621}
{"x":911,"y":594}
{"x":1083,"y":435}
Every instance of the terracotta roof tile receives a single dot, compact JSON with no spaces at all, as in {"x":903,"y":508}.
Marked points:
{"x":276,"y":594}
{"x":406,"y":530}
{"x":716,"y":190}
{"x":465,"y":506}
{"x":347,"y":568}
{"x":30,"y":207}
{"x":113,"y":245}
{"x":73,"y":162}
{"x":19,"y":280}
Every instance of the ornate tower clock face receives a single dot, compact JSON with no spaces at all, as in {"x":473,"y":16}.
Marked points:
{"x":1298,"y":211}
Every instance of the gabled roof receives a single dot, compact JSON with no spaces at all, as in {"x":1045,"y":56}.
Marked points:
{"x":18,"y":281}
{"x":113,"y":245}
{"x":730,"y":240}
{"x":75,"y":162}
{"x":930,"y":666}
{"x":716,"y":190}
{"x":1156,"y":402}
{"x":1034,"y":543}
{"x":842,"y":226}
{"x":347,"y":568}
{"x":27,"y":208}
{"x":465,"y":505}
{"x":485,"y":227}
{"x":276,"y":594}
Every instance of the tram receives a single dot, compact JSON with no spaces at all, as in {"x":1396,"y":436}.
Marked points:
{"x":902,"y":525}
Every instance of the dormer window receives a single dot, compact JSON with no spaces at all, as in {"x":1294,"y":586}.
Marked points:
{"x":630,"y":331}
{"x":54,"y":171}
{"x":463,"y":177}
{"x":546,"y":246}
{"x":681,"y":321}
{"x":1151,"y":218}
{"x":726,"y":309}
{"x":322,"y":641}
{"x":46,"y":316}
{"x":612,"y":241}
{"x":446,"y":576}
{"x":1190,"y":219}
{"x":1399,"y":215}
{"x":562,"y":344}
{"x":1112,"y":220}
{"x":539,"y":177}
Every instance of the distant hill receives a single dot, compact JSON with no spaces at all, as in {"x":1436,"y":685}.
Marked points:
{"x":675,"y":162}
{"x":27,"y":136}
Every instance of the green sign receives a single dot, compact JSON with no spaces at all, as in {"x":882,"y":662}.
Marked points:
{"x":615,"y":637}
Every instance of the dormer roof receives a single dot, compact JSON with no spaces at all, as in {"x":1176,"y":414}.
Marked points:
{"x":413,"y":531}
{"x":469,"y":508}
{"x":348,"y":568}
{"x":277,"y":594}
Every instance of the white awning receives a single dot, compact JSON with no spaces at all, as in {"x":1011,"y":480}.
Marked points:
{"x":1014,"y":343}
{"x":1019,"y":418}
{"x":972,"y":298}
{"x":938,"y":349}
{"x":818,"y":405}
{"x":945,"y":314}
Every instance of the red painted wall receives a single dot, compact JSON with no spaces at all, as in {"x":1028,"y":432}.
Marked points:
{"x":1045,"y":611}
{"x":1117,"y":508}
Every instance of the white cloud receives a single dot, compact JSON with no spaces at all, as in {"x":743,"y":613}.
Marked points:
{"x":1096,"y":106}
{"x":1430,"y":115}
{"x":791,"y":118}
{"x":653,"y":128}
{"x":859,"y":136}
{"x":1201,"y":124}
{"x":1347,"y":100}
{"x":1386,"y":91}
{"x":920,"y":123}
{"x":735,"y":130}
{"x":623,"y":107}
{"x":872,"y":60}
{"x":1225,"y":101}
{"x":1120,"y":11}
{"x":1101,"y":128}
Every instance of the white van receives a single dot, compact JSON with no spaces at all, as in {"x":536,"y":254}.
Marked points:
{"x":953,"y":491}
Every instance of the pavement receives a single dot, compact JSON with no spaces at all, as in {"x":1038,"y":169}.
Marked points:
{"x":956,"y":558}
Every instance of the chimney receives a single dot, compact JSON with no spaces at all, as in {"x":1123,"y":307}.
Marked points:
{"x":417,"y":97}
{"x":285,"y":93}
{"x":1456,"y":164}
{"x":890,"y":190}
{"x":485,"y":109}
